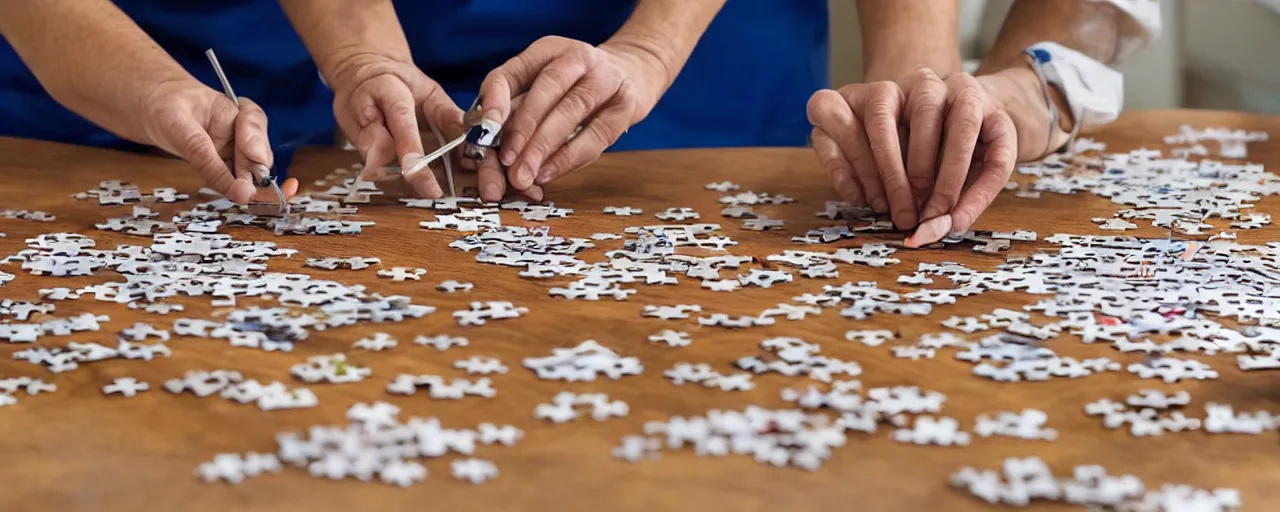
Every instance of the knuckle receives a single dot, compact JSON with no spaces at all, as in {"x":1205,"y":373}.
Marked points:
{"x":919,"y":181}
{"x":966,"y":125}
{"x":882,"y":108}
{"x":960,"y":80}
{"x":884,"y":89}
{"x":824,"y":106}
{"x":605,"y":131}
{"x":538,"y":147}
{"x":927,"y":110}
{"x":553,"y":41}
{"x":968,"y":95}
{"x":400,"y":110}
{"x":554,"y":73}
{"x":579,"y":101}
{"x":586,"y":54}
{"x":926,"y":74}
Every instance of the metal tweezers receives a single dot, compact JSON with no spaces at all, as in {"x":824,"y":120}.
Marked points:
{"x":264,"y":174}
{"x":435,"y":155}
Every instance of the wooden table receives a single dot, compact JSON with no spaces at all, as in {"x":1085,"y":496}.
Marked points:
{"x":78,"y":450}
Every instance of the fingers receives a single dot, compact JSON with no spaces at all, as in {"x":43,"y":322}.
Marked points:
{"x":253,"y":157}
{"x":378,"y":148}
{"x":837,"y":166}
{"x":575,"y":109}
{"x":533,"y":194}
{"x":252,"y":142}
{"x":926,"y":105}
{"x":881,"y":107}
{"x":960,"y":136}
{"x":423,"y":180}
{"x":386,"y":115}
{"x":930,"y":231}
{"x":492,"y":178}
{"x":516,"y":76}
{"x":849,"y":133}
{"x":579,"y":147}
{"x":1000,"y":138}
{"x":556,"y":85}
{"x":441,"y":114}
{"x":191,"y":141}
{"x":832,"y":117}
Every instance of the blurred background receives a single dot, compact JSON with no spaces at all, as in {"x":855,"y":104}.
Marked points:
{"x":1220,"y":54}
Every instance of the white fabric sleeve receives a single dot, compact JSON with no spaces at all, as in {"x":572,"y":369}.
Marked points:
{"x":1094,"y":92}
{"x":1140,"y":27}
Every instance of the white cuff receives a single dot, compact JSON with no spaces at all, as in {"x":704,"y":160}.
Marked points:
{"x":1094,"y":92}
{"x":1140,"y":27}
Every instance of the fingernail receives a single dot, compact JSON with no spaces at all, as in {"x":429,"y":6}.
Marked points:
{"x":879,"y":205}
{"x":524,"y":176}
{"x":508,"y":156}
{"x":491,"y":192}
{"x":411,"y":164}
{"x":545,"y":176}
{"x":489,"y":115}
{"x":929,"y":231}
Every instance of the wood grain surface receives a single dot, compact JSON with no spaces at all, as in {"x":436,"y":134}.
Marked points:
{"x":79,"y":450}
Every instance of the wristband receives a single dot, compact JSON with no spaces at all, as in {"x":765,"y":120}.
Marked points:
{"x":1093,"y":91}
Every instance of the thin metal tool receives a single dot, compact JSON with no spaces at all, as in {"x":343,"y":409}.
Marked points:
{"x":265,"y":175}
{"x":444,"y":150}
{"x":479,"y":135}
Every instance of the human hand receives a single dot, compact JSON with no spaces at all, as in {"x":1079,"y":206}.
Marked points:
{"x":224,"y":142}
{"x":1015,"y":126}
{"x":567,"y":86}
{"x":381,"y":104}
{"x":860,"y":146}
{"x":857,"y":135}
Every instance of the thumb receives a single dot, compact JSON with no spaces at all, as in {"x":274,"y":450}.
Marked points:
{"x":190,"y":141}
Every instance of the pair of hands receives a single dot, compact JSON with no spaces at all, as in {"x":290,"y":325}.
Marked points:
{"x":561,"y":104}
{"x":932,"y":152}
{"x":541,"y":96}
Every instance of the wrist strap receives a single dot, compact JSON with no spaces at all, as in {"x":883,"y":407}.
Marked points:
{"x":1048,"y":100}
{"x":1093,"y":91}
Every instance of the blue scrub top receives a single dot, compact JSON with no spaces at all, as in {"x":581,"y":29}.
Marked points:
{"x":746,"y":83}
{"x":262,"y":55}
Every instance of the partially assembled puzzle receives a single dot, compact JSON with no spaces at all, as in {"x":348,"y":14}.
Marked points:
{"x":1152,"y":300}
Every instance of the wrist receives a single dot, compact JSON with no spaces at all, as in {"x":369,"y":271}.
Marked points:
{"x":656,"y":57}
{"x":351,"y":69}
{"x":649,"y":68}
{"x":1022,"y":95}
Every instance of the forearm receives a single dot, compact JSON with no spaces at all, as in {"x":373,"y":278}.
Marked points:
{"x":91,"y":58}
{"x":1091,"y":28}
{"x":668,"y":29}
{"x":337,"y":31}
{"x":899,"y":36}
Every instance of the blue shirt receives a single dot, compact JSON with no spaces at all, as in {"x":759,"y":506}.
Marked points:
{"x":261,"y":54}
{"x":746,"y":83}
